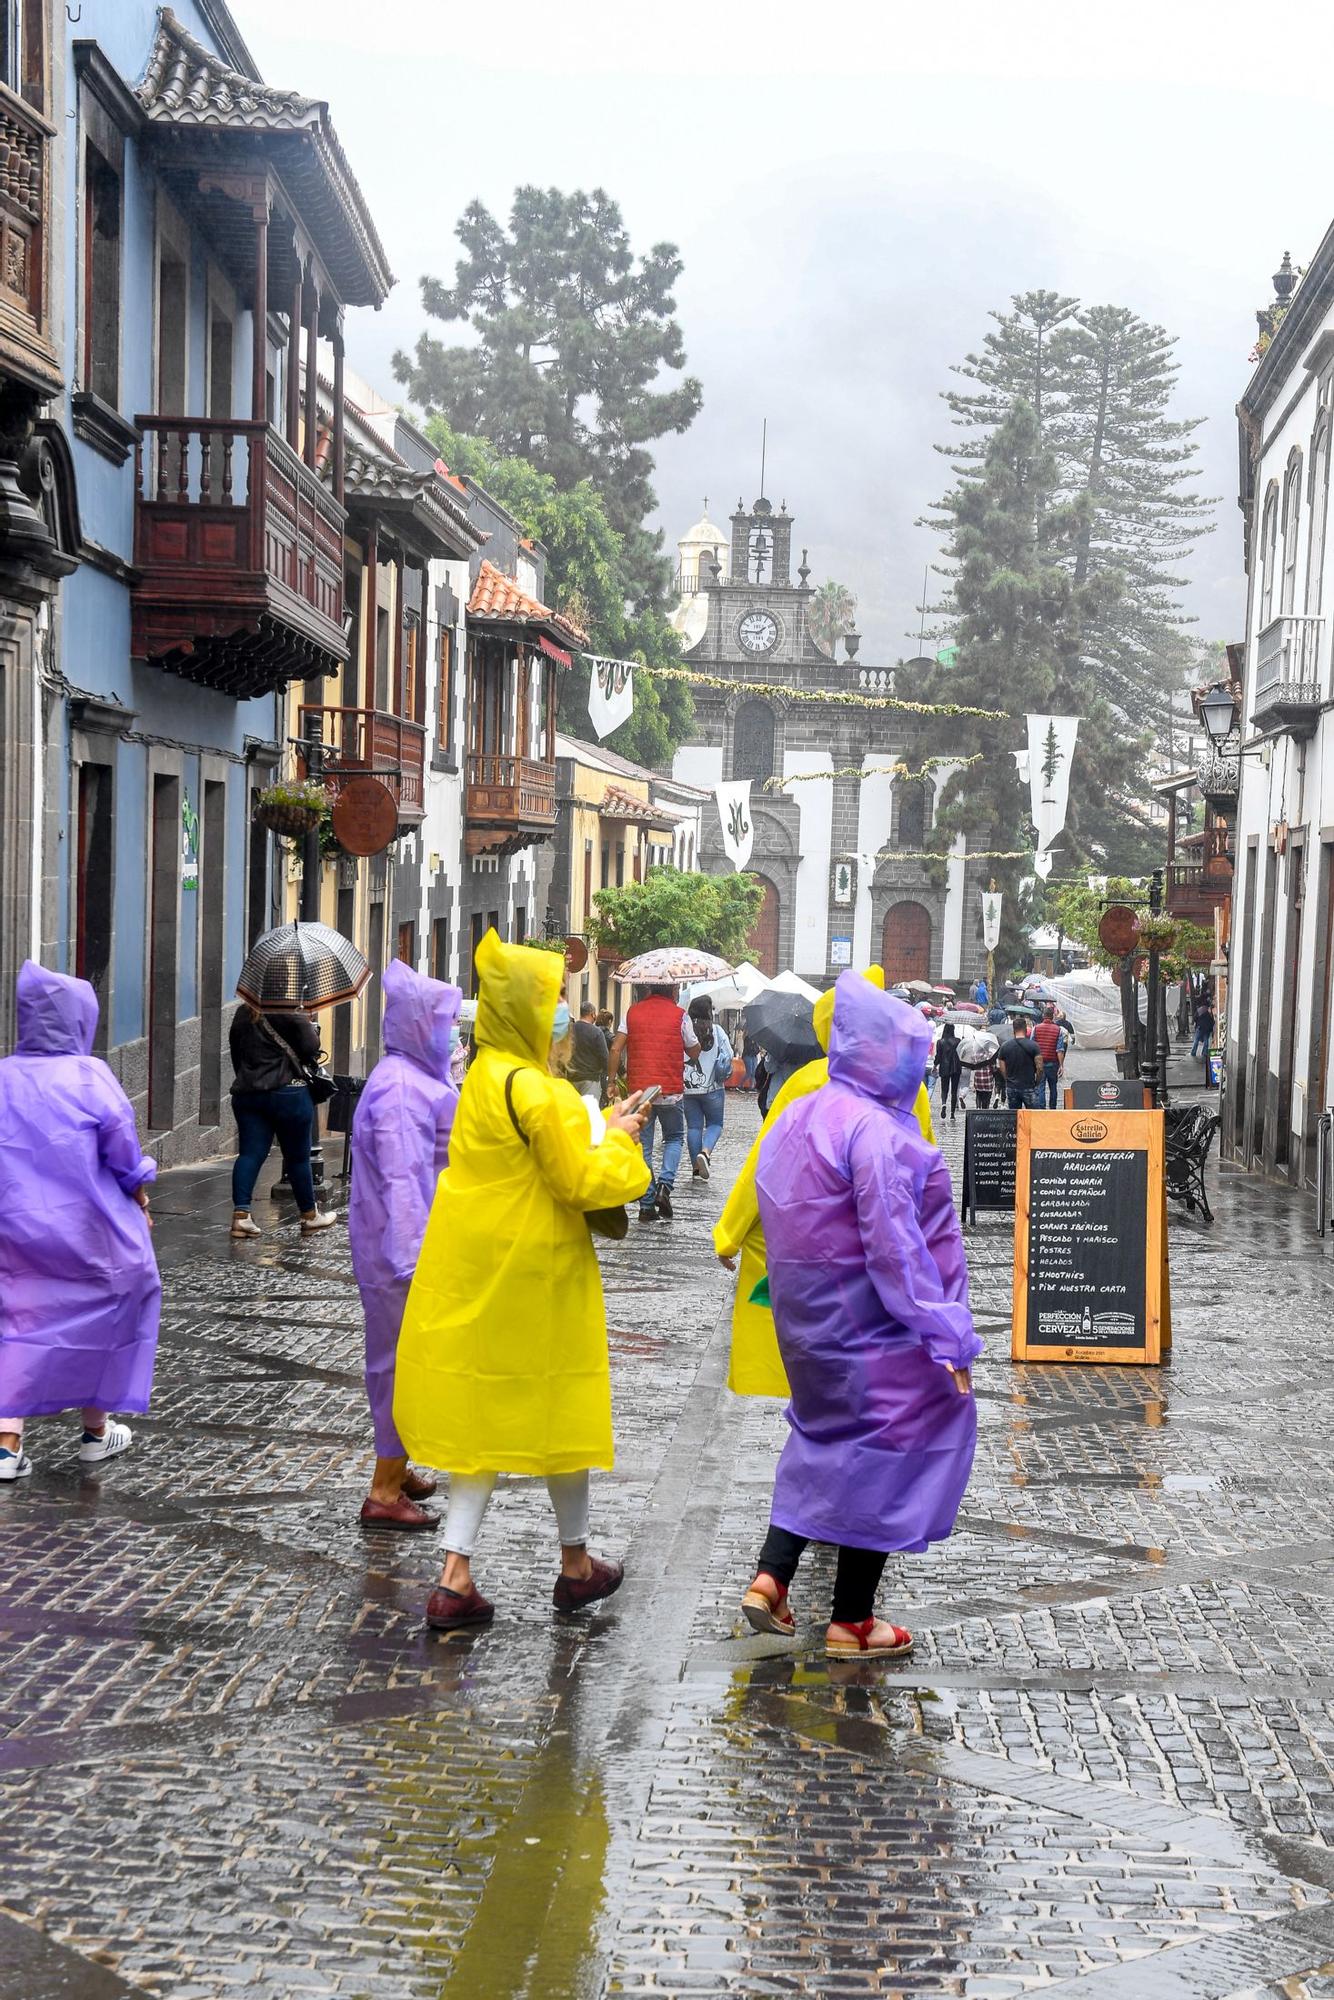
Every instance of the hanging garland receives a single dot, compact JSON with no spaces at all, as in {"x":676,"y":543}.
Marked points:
{"x":969,"y":854}
{"x":871,"y":771}
{"x":821,"y":695}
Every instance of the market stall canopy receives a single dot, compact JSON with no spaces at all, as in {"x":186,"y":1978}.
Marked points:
{"x":737,"y":990}
{"x":302,"y":965}
{"x":788,"y":982}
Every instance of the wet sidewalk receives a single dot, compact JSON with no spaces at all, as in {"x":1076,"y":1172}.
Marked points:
{"x":235,"y":1763}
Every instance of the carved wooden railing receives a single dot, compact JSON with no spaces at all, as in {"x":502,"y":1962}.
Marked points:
{"x":511,"y":790}
{"x":368,"y":739}
{"x":25,"y":141}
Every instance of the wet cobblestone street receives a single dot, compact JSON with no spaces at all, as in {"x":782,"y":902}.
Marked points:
{"x":236,"y":1763}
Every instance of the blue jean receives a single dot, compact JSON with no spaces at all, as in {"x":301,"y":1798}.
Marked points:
{"x":1047,"y":1086}
{"x":670,"y":1121}
{"x":261,"y":1117}
{"x":704,"y":1121}
{"x":1019,"y":1099}
{"x":1203,"y":1038}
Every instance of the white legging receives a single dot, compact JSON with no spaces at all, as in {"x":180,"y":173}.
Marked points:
{"x":470,"y":1493}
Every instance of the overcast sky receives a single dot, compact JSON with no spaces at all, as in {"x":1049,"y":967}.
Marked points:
{"x":853,"y":188}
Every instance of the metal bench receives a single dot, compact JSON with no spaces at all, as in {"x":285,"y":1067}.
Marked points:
{"x":1190,"y":1130}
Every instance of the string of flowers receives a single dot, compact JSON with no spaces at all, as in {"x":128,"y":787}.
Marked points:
{"x":822,"y":695}
{"x":870,"y":771}
{"x":943,"y":854}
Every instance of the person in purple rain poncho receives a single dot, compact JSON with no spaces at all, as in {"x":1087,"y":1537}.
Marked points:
{"x":869,"y":1288}
{"x":80,"y":1295}
{"x":400,"y":1147}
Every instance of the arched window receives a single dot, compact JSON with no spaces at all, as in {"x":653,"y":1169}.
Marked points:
{"x":906,"y":943}
{"x":1268,"y":555}
{"x":753,"y":741}
{"x":1315,"y":554}
{"x":912,"y":814}
{"x":1292,"y":521}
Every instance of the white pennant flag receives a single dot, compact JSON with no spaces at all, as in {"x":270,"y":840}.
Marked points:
{"x":734,"y":811}
{"x":1042,"y":863}
{"x":611,"y":693}
{"x":991,"y":919}
{"x":1051,"y":747}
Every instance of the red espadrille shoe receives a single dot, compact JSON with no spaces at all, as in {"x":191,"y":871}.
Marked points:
{"x":869,"y":1640}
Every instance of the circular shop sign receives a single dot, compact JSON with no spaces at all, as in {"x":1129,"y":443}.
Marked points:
{"x":365,"y":816}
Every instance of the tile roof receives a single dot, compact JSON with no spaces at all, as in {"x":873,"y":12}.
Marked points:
{"x":499,"y":597}
{"x":619,"y":804}
{"x":187,"y":85}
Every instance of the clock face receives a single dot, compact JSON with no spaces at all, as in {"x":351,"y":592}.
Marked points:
{"x":758,"y":632}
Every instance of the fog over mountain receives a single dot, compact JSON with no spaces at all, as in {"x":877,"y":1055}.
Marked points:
{"x":852,"y":194}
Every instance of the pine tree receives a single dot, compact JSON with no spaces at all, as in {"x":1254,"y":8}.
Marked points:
{"x":1020,"y":360}
{"x":573,"y":335}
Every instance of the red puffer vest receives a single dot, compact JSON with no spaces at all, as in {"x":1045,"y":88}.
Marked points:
{"x":653,"y":1050}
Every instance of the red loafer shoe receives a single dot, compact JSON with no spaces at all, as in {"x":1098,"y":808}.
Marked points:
{"x":455,"y":1610}
{"x":572,"y":1593}
{"x":400,"y":1513}
{"x":418,"y":1485}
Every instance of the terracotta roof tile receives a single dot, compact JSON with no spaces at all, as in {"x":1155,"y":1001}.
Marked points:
{"x":498,"y":596}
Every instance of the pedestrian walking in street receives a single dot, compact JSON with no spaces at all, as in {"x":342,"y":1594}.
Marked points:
{"x":657,"y":1037}
{"x":1017,"y":1061}
{"x":606,"y":1021}
{"x":869,"y":1285}
{"x":502,"y":1358}
{"x":1205,"y":1022}
{"x":983,"y":1084}
{"x":1050,"y":1044}
{"x":949,"y":1068}
{"x":755,"y":1367}
{"x":80,"y":1295}
{"x":587,"y":1065}
{"x":705,"y":1078}
{"x":400,"y":1139}
{"x":271,"y":1100}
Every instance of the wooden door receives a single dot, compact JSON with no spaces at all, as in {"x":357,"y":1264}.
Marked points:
{"x":762,"y":944}
{"x":906,"y":952}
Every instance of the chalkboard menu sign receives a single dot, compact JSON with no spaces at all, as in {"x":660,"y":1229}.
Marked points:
{"x":1090,"y":1244}
{"x":1107,"y":1093}
{"x":988,"y":1162}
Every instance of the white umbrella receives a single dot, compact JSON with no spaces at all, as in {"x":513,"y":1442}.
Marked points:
{"x":788,"y":982}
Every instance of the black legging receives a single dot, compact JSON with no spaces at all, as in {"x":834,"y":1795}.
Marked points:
{"x":855,"y":1582}
{"x":949,"y":1089}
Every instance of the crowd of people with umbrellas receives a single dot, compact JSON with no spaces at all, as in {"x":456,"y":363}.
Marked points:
{"x":484,"y":1181}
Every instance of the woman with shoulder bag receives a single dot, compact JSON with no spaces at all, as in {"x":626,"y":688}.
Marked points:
{"x":705,"y":1086}
{"x":271,"y":1056}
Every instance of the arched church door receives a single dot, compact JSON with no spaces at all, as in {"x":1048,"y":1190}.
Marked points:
{"x":762,"y":944}
{"x":907,"y":943}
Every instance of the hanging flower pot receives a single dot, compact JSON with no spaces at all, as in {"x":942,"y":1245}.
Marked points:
{"x":293,"y":809}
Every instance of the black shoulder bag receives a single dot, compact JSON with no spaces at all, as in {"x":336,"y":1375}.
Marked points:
{"x":613,"y":1223}
{"x":313,"y":1074}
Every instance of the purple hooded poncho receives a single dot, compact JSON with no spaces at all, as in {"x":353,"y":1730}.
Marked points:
{"x":80,"y":1295}
{"x":400,"y":1146}
{"x":870,"y":1293}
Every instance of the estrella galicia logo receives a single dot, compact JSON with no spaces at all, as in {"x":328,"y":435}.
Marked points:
{"x":1088,"y":1131}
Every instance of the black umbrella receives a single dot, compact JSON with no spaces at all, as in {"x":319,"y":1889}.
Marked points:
{"x":781,"y":1024}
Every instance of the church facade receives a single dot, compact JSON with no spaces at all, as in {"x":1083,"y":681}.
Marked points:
{"x":834,"y":853}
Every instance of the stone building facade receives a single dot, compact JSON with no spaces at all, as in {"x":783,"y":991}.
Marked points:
{"x":834,"y":853}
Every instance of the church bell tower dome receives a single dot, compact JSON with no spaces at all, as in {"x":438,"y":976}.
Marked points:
{"x":699,"y":547}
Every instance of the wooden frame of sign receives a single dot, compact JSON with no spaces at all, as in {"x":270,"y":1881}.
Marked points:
{"x":1090,"y":1239}
{"x":1112,"y":1093}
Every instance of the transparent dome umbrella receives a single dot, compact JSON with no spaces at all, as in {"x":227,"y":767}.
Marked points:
{"x":302,"y":965}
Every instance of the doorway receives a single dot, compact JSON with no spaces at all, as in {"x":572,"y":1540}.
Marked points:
{"x":163,"y":944}
{"x":212,"y":945}
{"x":93,"y":894}
{"x":906,"y":943}
{"x":763,"y":942}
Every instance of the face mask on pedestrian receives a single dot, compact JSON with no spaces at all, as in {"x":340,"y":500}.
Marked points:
{"x":560,"y":1026}
{"x":453,"y":1039}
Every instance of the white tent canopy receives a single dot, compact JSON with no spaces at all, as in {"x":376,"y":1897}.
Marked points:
{"x":1091,"y":1001}
{"x":742,"y":986}
{"x":788,"y":982}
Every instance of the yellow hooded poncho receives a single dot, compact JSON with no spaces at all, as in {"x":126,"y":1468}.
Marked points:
{"x":502,"y":1358}
{"x":756,"y":1368}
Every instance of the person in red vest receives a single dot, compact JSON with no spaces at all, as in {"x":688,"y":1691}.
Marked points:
{"x":1050,"y":1038}
{"x":656,"y":1039}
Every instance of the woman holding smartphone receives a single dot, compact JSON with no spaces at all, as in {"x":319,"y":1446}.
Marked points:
{"x":502,"y":1359}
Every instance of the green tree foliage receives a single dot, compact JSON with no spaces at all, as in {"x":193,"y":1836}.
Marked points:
{"x":832,"y":611}
{"x":1020,"y":618}
{"x":572,"y":336}
{"x":586,"y":580}
{"x":704,"y":912}
{"x":1100,"y":381}
{"x":1076,"y":910}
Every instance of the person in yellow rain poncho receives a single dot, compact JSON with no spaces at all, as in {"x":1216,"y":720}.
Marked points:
{"x":756,"y":1368}
{"x":502,"y":1358}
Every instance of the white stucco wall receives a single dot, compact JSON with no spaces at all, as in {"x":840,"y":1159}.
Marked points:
{"x":875,"y":821}
{"x":815,"y":803}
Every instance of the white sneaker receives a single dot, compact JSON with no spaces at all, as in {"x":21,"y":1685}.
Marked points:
{"x":114,"y":1440}
{"x":15,"y":1464}
{"x":322,"y":1219}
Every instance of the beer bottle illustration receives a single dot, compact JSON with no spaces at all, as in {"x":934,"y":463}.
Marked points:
{"x":1086,"y":1325}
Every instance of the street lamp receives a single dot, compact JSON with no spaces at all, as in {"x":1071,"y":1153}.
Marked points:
{"x":1218,"y":713}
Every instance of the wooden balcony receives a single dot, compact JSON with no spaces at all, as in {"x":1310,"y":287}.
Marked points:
{"x":1288,"y":675}
{"x":26,"y":141}
{"x":239,"y":549}
{"x":510,"y":803}
{"x":1199,"y":878}
{"x":366,"y":739}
